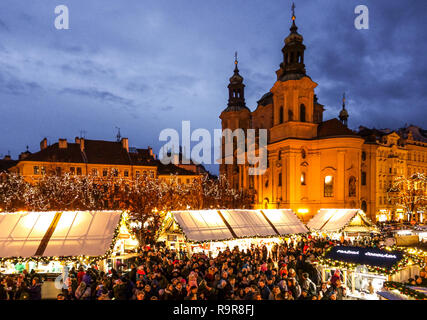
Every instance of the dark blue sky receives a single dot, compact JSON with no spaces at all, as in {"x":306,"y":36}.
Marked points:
{"x":146,"y":65}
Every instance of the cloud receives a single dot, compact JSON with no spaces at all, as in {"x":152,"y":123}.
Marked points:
{"x":104,"y":96}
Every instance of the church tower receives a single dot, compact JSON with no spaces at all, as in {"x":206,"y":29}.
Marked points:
{"x":293,"y":66}
{"x":235,"y":116}
{"x":295,"y":109}
{"x":343,"y":114}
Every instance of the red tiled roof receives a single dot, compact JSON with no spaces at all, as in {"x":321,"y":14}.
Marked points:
{"x":95,"y":152}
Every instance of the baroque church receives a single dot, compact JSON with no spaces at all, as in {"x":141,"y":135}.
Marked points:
{"x":312,"y":163}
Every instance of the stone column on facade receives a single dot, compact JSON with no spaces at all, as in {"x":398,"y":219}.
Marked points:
{"x":340,"y":187}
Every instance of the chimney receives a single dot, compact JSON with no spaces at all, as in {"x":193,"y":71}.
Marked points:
{"x":82,"y":144}
{"x":62,"y":143}
{"x":125,"y":144}
{"x":175,"y":158}
{"x":150,"y":151}
{"x":43,"y":144}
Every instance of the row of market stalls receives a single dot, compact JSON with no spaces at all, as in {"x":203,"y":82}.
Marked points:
{"x":48,"y":241}
{"x":211,"y":231}
{"x":363,"y":270}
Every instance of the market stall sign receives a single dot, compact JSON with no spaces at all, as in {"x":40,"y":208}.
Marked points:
{"x":365,"y":256}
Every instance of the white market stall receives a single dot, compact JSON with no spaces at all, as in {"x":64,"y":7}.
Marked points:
{"x":47,"y":241}
{"x":211,"y":231}
{"x":336,"y":222}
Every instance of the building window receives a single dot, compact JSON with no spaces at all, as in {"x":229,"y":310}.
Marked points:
{"x":302,"y":113}
{"x":266,"y":183}
{"x":364,"y":207}
{"x":137,"y":173}
{"x":281,"y":115}
{"x":363,"y":155}
{"x":328,"y":187}
{"x":58,"y":171}
{"x":280,"y":155}
{"x":303,"y":183}
{"x":79,"y":171}
{"x":352,"y":187}
{"x":94,"y":172}
{"x":36,"y":169}
{"x":105,"y":172}
{"x":72,"y":170}
{"x":280,"y":180}
{"x":126,"y":173}
{"x":115,"y":172}
{"x":151,"y":174}
{"x":303,"y":154}
{"x":290,"y":115}
{"x":43,"y":170}
{"x":363,"y":178}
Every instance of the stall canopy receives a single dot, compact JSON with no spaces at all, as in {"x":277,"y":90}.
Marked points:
{"x":219,"y":225}
{"x":338,"y":220}
{"x":55,"y":234}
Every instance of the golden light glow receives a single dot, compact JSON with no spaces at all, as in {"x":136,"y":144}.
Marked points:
{"x":303,"y":210}
{"x":328,"y":179}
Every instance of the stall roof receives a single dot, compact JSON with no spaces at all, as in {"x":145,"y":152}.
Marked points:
{"x":335,"y":220}
{"x":53,"y":234}
{"x":219,"y":225}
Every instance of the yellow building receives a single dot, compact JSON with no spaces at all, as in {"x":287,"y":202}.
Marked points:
{"x":98,"y":158}
{"x":312,"y":163}
{"x":386,"y":155}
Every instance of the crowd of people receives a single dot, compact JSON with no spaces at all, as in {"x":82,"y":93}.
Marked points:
{"x":288,"y":271}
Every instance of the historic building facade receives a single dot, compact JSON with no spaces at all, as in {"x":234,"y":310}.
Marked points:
{"x":98,"y":158}
{"x":312,"y":163}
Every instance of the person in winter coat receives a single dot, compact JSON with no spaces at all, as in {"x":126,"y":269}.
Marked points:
{"x":132,"y":273}
{"x":35,"y":290}
{"x":308,"y":285}
{"x":3,"y":291}
{"x":83,"y":292}
{"x":264,"y":290}
{"x":80,"y":275}
{"x":120,"y":290}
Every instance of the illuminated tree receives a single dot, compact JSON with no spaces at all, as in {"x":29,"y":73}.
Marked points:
{"x":147,"y":199}
{"x":410,"y":193}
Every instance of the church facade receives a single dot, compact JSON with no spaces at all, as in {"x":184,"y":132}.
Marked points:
{"x":312,"y":163}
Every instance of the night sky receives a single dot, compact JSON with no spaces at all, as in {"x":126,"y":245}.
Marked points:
{"x":146,"y":65}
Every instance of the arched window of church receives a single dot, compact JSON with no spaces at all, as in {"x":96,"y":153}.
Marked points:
{"x":280,"y":180}
{"x":280,"y":155}
{"x":290,"y":115}
{"x":352,"y":187}
{"x":328,"y":186}
{"x":302,"y":113}
{"x":281,"y":115}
